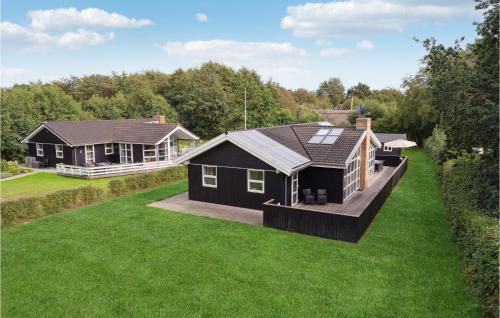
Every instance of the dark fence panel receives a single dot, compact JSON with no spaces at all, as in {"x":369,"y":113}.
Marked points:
{"x":327,"y":225}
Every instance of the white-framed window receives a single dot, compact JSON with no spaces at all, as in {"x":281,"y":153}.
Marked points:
{"x":149,"y":153}
{"x":89,"y":155}
{"x":371,"y":161}
{"x":174,"y":148}
{"x":163,"y":151}
{"x":351,"y":176}
{"x":209,"y":176}
{"x":59,"y":151}
{"x":387,"y":148}
{"x":295,"y":188}
{"x":255,"y":181}
{"x":126,"y":153}
{"x":108,"y":149}
{"x":39,"y":150}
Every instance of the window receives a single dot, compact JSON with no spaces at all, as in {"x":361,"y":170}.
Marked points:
{"x":209,"y":176}
{"x":163,"y":151}
{"x":149,"y":153}
{"x":351,"y":176}
{"x":173,"y":148}
{"x":59,"y":151}
{"x":295,"y":188}
{"x":255,"y":180}
{"x":126,"y":153}
{"x":371,"y":161}
{"x":39,"y":150}
{"x":387,"y":148}
{"x":326,"y":136}
{"x":89,"y":155}
{"x":108,"y":149}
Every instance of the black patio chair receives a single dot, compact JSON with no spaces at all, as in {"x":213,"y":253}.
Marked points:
{"x":44,"y":163}
{"x":308,"y":196}
{"x":322,"y":196}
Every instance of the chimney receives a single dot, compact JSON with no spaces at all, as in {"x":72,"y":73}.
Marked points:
{"x":159,"y":118}
{"x":364,"y":123}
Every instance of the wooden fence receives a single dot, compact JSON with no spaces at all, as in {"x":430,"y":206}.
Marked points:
{"x":111,"y":170}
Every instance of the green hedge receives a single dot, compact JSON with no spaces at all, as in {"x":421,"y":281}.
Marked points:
{"x":29,"y":208}
{"x":148,"y":180}
{"x":474,"y":230}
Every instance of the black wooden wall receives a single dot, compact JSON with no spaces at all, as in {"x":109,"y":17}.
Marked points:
{"x":323,"y":178}
{"x":232,"y":163}
{"x":395,"y":152}
{"x":49,"y":152}
{"x":45,"y":136}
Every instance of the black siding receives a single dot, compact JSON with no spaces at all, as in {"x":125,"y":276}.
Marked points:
{"x":99,"y":153}
{"x":80,"y":156}
{"x":229,"y":155}
{"x":232,"y":188}
{"x":49,"y":152}
{"x":323,"y":178}
{"x":392,"y":161}
{"x":45,"y":136}
{"x":395,"y":152}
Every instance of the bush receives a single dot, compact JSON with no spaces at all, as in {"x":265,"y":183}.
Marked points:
{"x":435,"y":145}
{"x":29,"y":208}
{"x":11,"y":167}
{"x":475,"y":230}
{"x":147,"y":180}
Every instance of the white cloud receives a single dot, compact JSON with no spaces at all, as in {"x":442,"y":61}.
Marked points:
{"x":334,"y":51}
{"x":17,"y":37}
{"x":201,"y":17}
{"x":365,"y":45}
{"x":364,"y":17}
{"x":271,"y":59}
{"x":91,"y":17}
{"x":13,"y":71}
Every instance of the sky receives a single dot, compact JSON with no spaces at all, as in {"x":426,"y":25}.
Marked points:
{"x":294,"y":43}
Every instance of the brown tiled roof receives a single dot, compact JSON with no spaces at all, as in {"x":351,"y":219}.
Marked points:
{"x":103,"y":131}
{"x":296,"y":138}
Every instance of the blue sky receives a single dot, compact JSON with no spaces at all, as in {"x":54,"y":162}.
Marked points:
{"x":297,"y":44}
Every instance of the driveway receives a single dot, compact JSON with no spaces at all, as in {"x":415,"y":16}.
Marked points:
{"x":181,"y":203}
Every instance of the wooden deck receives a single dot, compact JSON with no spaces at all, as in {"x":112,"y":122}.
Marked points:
{"x":345,"y":222}
{"x":358,"y":202}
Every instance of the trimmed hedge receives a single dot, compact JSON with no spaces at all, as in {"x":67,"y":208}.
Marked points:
{"x":29,"y":208}
{"x":25,"y":209}
{"x":474,"y":230}
{"x":147,"y":180}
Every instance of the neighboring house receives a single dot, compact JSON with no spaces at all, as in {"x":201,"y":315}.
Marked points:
{"x":388,"y":151}
{"x":248,"y":168}
{"x":92,"y":143}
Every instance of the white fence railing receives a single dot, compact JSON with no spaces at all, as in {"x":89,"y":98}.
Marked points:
{"x":111,"y":170}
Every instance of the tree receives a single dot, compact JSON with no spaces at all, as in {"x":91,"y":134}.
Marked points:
{"x":333,"y":89}
{"x":359,"y":90}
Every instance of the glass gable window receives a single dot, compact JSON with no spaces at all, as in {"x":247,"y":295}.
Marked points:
{"x":351,"y":176}
{"x":59,"y":151}
{"x":255,"y":181}
{"x":126,"y":153}
{"x":163,"y":151}
{"x":371,"y":161}
{"x":209,"y":176}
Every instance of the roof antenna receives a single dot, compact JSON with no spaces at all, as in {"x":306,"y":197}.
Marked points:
{"x":245,"y":108}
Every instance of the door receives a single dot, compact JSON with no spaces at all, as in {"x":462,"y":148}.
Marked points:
{"x":89,"y":155}
{"x":126,"y":153}
{"x":295,"y":188}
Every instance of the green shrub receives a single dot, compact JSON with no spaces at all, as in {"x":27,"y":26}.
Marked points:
{"x":117,"y":187}
{"x":475,"y":230}
{"x":11,"y":167}
{"x":29,"y":208}
{"x":435,"y":145}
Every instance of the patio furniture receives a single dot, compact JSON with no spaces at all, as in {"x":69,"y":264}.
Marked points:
{"x":44,"y":163}
{"x":322,"y":196}
{"x":379,"y":165}
{"x":308,"y":196}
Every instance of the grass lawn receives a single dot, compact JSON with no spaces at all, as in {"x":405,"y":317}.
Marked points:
{"x":43,"y":183}
{"x":121,"y":258}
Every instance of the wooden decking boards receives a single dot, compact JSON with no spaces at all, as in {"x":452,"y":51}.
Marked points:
{"x":359,"y":201}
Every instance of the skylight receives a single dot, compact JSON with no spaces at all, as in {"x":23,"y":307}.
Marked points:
{"x":326,"y":136}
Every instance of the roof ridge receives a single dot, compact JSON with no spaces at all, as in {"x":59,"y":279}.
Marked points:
{"x":300,"y":142}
